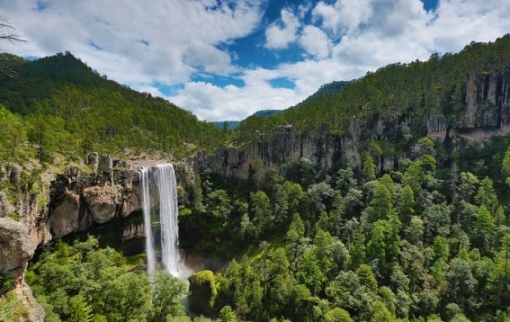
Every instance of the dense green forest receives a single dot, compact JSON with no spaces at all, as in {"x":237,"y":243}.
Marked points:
{"x":414,"y":90}
{"x":60,"y":104}
{"x":419,"y":243}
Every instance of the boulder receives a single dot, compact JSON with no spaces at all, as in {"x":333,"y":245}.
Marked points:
{"x":5,"y":206}
{"x":100,"y":201}
{"x":16,"y":246}
{"x":202,"y":292}
{"x":93,"y":159}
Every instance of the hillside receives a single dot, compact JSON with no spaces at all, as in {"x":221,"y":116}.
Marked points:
{"x":411,"y":91}
{"x":77,"y":111}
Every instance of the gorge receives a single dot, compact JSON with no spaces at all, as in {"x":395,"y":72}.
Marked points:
{"x":386,"y":200}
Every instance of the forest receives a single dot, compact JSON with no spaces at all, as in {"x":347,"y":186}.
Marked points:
{"x":419,"y":243}
{"x":416,"y":90}
{"x":59,"y":104}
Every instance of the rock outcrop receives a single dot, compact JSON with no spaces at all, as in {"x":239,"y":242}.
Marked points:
{"x":5,"y":205}
{"x":202,"y":292}
{"x":17,"y":247}
{"x":65,"y":204}
{"x":486,"y":112}
{"x":283,"y":144}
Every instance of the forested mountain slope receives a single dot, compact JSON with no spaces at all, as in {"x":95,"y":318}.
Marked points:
{"x":69,"y":107}
{"x":411,"y":91}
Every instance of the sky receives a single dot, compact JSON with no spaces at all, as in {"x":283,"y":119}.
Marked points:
{"x":226,"y":59}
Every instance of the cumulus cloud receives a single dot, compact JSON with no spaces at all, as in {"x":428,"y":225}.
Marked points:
{"x":168,"y":41}
{"x":361,"y":36}
{"x":136,"y":41}
{"x":315,"y":42}
{"x":283,"y":32}
{"x":344,"y":16}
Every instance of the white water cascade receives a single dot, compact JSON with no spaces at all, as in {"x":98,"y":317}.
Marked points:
{"x":162,"y":178}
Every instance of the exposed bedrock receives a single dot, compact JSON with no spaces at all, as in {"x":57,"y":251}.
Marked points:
{"x":486,"y":111}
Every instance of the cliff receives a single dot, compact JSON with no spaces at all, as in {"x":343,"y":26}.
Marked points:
{"x":485,"y":112}
{"x":55,"y":205}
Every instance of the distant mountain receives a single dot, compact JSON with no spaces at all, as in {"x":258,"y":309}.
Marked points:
{"x":327,"y":89}
{"x":264,"y":113}
{"x":230,"y":124}
{"x":235,"y":124}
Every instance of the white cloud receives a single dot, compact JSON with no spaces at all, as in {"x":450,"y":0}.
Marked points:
{"x":182,"y":35}
{"x":280,"y":35}
{"x":315,"y":42}
{"x":344,"y":40}
{"x":344,"y":15}
{"x":236,"y":103}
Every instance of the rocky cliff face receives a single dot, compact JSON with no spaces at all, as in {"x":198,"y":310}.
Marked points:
{"x":486,"y":111}
{"x":82,"y":202}
{"x":63,"y":204}
{"x":282,"y":145}
{"x":53,"y":206}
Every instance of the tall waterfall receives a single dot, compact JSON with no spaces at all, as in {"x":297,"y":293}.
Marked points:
{"x":163,"y":179}
{"x":147,"y":222}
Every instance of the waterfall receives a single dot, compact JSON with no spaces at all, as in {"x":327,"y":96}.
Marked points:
{"x":147,"y":223}
{"x":164,"y":181}
{"x":168,"y":213}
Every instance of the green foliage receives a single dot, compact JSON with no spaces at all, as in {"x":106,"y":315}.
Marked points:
{"x":415,"y":90}
{"x":203,"y":292}
{"x":227,"y":315}
{"x":70,"y":108}
{"x":427,"y":242}
{"x":337,"y":315}
{"x":395,"y":247}
{"x":85,"y":283}
{"x":11,"y":308}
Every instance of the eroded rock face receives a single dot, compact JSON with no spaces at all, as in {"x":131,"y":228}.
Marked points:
{"x":350,"y":145}
{"x":486,"y":113}
{"x":66,"y":218}
{"x":5,"y":205}
{"x":268,"y":150}
{"x":101,"y":202}
{"x":437,"y":127}
{"x":80,"y":204}
{"x":35,"y":310}
{"x":484,"y":101}
{"x":134,"y":231}
{"x":16,"y":246}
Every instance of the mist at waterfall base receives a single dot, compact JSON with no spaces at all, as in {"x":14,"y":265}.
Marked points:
{"x":161,"y":220}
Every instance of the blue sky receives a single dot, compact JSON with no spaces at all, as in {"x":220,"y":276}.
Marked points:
{"x":226,"y":59}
